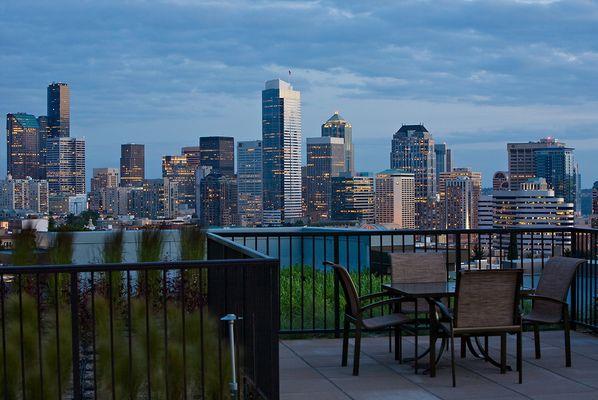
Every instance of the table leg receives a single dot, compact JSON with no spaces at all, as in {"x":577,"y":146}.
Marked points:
{"x":486,"y":355}
{"x":432,"y":326}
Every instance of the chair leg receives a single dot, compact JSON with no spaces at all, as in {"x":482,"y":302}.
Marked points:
{"x":519,"y":357}
{"x":399,"y":344}
{"x":537,"y":340}
{"x":346,"y":327}
{"x":432,"y":367}
{"x":453,"y":360}
{"x":463,"y":346}
{"x":503,"y":353}
{"x":357,"y":349}
{"x":567,"y":330}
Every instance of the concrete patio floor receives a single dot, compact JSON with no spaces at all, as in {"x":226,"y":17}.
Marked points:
{"x":310,"y":369}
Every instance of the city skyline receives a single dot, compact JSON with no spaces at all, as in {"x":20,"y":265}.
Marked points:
{"x":473,"y":102}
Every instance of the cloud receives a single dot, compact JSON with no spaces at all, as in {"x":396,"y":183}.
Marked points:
{"x":472,"y":69}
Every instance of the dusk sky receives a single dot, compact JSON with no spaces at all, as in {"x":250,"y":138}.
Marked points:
{"x":476,"y":73}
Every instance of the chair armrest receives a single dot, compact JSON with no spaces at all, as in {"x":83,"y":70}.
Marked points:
{"x":443,"y":309}
{"x":374,"y":295}
{"x":545,"y":298}
{"x":394,"y":300}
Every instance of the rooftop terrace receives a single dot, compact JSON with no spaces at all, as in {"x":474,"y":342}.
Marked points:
{"x":311,"y":369}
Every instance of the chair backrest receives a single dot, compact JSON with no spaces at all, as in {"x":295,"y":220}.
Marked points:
{"x":418,"y":267}
{"x":557,"y":275}
{"x":349,"y":291}
{"x":487,"y":298}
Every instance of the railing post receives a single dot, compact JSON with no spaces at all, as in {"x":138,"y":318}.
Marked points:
{"x":337,"y":320}
{"x":574,"y":252}
{"x":75,"y":340}
{"x":457,"y":252}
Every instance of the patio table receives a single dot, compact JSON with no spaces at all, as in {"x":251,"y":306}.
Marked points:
{"x":437,"y":291}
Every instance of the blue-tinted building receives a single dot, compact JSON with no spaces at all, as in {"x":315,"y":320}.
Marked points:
{"x":557,"y":166}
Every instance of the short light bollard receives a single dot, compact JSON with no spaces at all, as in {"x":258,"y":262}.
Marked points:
{"x":233,"y":385}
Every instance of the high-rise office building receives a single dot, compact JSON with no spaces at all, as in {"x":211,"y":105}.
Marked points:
{"x":522,"y":160}
{"x":218,"y":201}
{"x":281,"y":140}
{"x":352,"y":199}
{"x":44,"y":134}
{"x":443,"y":159}
{"x":249,"y":182}
{"x":501,"y":181}
{"x":394,"y":199}
{"x":218,"y":152}
{"x":59,"y":110}
{"x":459,"y":192}
{"x":413,"y":151}
{"x":132,"y":164}
{"x":102,"y":179}
{"x":193,"y":155}
{"x":557,"y":166}
{"x":22,"y":146}
{"x":337,"y":126}
{"x":65,"y":170}
{"x":325,"y":160}
{"x":178,"y":169}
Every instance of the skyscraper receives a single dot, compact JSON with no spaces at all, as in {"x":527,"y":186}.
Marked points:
{"x":413,"y":151}
{"x":22,"y":146}
{"x":395,"y":199}
{"x":557,"y":166}
{"x":59,"y":110}
{"x":522,"y":166}
{"x":353,"y":199}
{"x":443,"y":159}
{"x":132,"y":164}
{"x":459,"y":193}
{"x":218,"y":152}
{"x":326,"y":159}
{"x":249,"y":182}
{"x":65,"y":170}
{"x":178,"y":169}
{"x":281,"y":139}
{"x":338,"y":127}
{"x":44,"y":134}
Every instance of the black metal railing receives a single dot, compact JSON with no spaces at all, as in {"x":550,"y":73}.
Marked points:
{"x":310,"y":300}
{"x":141,"y":330}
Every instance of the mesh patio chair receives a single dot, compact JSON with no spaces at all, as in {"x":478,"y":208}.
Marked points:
{"x":429,"y":267}
{"x":549,"y":300}
{"x":355,"y":314}
{"x":486,"y":304}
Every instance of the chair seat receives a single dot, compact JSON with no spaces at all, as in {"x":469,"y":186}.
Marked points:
{"x":385,"y":321}
{"x":480,"y":330}
{"x":538,"y":316}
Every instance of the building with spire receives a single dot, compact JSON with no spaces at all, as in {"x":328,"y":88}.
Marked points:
{"x":337,"y":126}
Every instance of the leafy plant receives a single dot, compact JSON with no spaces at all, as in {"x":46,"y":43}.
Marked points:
{"x":478,"y":253}
{"x":193,"y":243}
{"x":113,"y":254}
{"x":149,"y":248}
{"x":23,"y":251}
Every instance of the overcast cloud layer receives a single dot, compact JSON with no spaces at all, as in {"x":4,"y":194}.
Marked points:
{"x":476,"y":73}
